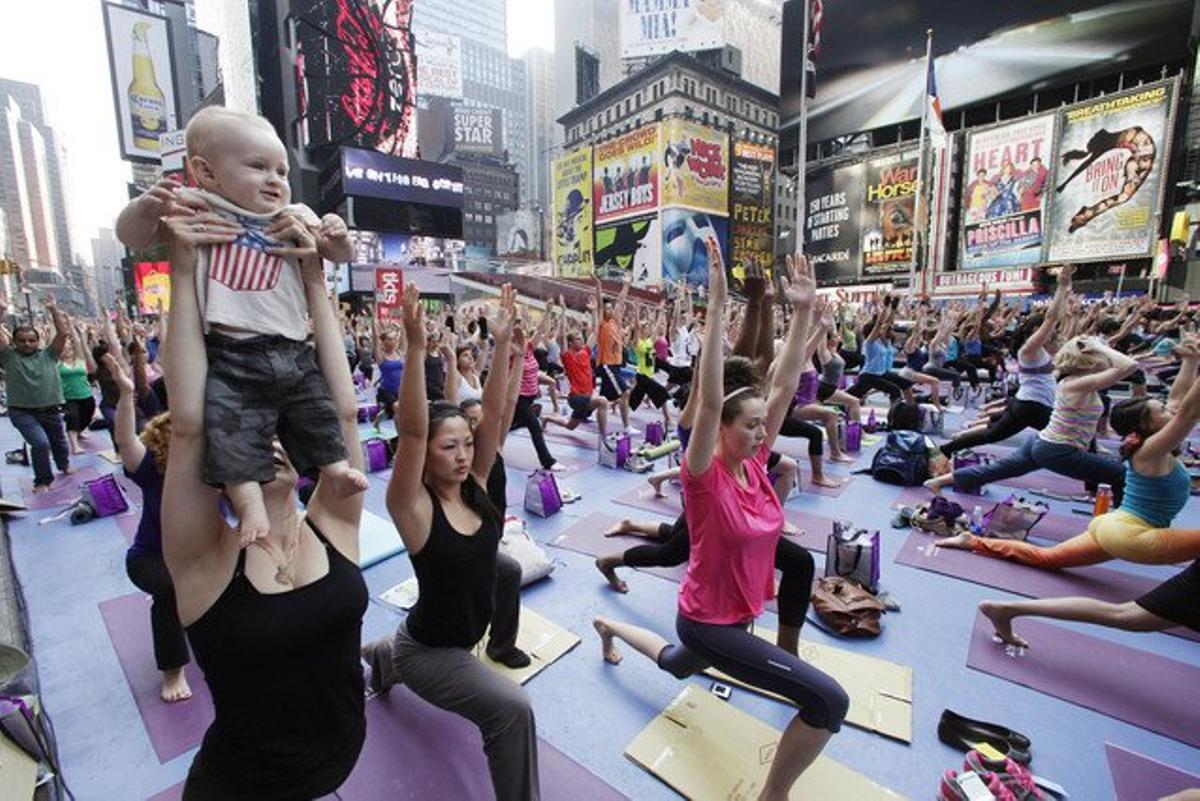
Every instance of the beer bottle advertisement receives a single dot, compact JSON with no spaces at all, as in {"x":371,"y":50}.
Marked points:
{"x":143,"y":81}
{"x":147,"y":104}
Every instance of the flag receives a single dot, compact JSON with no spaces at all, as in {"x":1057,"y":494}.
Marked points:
{"x":815,"y":13}
{"x":244,"y":265}
{"x":933,"y":116}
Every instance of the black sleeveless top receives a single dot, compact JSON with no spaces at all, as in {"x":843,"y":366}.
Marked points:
{"x":456,"y":574}
{"x":286,"y":683}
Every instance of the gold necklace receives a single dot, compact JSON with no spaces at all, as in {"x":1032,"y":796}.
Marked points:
{"x":283,"y":572}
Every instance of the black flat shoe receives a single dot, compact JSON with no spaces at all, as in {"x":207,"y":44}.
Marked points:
{"x":995,"y":729}
{"x":515,"y":659}
{"x":964,"y":740}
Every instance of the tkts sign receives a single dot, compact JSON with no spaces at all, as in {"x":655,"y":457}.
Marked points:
{"x":389,"y":287}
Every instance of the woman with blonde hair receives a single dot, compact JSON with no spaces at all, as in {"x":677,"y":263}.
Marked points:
{"x":1083,"y":366}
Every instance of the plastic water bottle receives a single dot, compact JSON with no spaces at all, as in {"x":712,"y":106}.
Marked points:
{"x":841,"y":433}
{"x":976,"y":523}
{"x":872,"y":424}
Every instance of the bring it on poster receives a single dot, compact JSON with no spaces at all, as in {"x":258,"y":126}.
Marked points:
{"x":887,"y":227}
{"x":572,"y":177}
{"x":1111,"y":154}
{"x":625,"y":175}
{"x":1004,"y":197}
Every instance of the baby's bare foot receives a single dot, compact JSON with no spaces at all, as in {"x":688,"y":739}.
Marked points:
{"x":344,"y":479}
{"x":253,"y":524}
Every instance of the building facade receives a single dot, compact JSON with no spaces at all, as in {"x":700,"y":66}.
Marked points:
{"x":107,"y":254}
{"x":489,"y":189}
{"x":539,"y":76}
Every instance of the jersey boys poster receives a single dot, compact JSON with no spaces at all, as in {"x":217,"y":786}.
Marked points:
{"x":834,"y":199}
{"x":625,"y":175}
{"x":1005,"y":193}
{"x":695,"y":167}
{"x":572,"y":175}
{"x":1111,"y":155}
{"x":751,"y":218}
{"x":887,"y":224}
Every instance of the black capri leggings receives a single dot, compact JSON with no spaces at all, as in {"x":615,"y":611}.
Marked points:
{"x":734,"y":649}
{"x":802,"y":428}
{"x":148,"y":573}
{"x":80,"y":413}
{"x":891,"y":384}
{"x":965,"y":368}
{"x":1019,"y":415}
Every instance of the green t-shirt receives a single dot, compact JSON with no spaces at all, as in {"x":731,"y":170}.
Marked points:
{"x":74,"y":379}
{"x":32,"y":381}
{"x":645,"y":356}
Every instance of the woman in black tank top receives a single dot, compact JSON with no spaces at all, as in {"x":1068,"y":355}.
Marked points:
{"x":451,"y":530}
{"x":275,"y":627}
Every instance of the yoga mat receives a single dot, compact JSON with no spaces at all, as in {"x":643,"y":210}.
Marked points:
{"x":1140,"y":778}
{"x":586,"y":536}
{"x":519,"y":454}
{"x":415,"y":751}
{"x":1102,"y":583}
{"x":706,"y":748}
{"x":1135,"y":686}
{"x":173,"y":729}
{"x":808,"y":488}
{"x":109,"y":456}
{"x":1053,"y":527}
{"x":128,"y":524}
{"x":378,"y":539}
{"x":586,"y":436}
{"x":64,"y":491}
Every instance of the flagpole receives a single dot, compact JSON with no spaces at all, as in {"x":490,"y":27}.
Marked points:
{"x":917,"y":227}
{"x":802,"y":155}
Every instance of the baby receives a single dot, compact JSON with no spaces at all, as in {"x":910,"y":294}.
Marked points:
{"x":263,"y":378}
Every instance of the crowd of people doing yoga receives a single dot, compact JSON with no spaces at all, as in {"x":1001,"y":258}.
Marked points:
{"x":263,"y":373}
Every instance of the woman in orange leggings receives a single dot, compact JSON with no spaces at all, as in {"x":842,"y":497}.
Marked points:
{"x":1156,"y":488}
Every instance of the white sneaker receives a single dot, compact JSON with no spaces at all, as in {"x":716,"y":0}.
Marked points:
{"x":632,"y":431}
{"x":558,"y":467}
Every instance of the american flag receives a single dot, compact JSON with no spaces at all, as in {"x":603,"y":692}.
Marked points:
{"x":244,"y":265}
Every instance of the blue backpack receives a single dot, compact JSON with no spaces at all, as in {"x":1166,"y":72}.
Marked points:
{"x":902,"y":460}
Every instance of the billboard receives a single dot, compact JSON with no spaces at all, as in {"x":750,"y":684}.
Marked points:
{"x":477,"y":130}
{"x":1006,"y":173}
{"x":366,"y":173}
{"x":695,"y":168}
{"x":1111,"y":155}
{"x":571,"y":179}
{"x":625,"y":175}
{"x":153,"y":282}
{"x":439,"y":65}
{"x":751,"y":207}
{"x":833,"y":221}
{"x":870,"y":73}
{"x":356,"y":75}
{"x":654,"y":27}
{"x":143,"y":82}
{"x":519,"y":233}
{"x":630,"y":247}
{"x":405,"y":250}
{"x":683,"y":251}
{"x":887,"y":213}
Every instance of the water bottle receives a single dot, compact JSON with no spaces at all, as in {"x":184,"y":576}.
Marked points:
{"x":853,"y":437}
{"x":976,"y":523}
{"x":872,"y":424}
{"x":1103,"y":500}
{"x":841,"y":433}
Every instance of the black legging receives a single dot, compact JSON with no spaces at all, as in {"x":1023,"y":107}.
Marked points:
{"x":1019,"y":415}
{"x":148,"y":572}
{"x":965,"y":368}
{"x":802,"y":428}
{"x":796,"y":564}
{"x":888,"y":383}
{"x":524,"y":416}
{"x":943,"y":373}
{"x":853,"y":358}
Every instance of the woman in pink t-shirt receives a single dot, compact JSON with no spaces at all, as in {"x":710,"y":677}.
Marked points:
{"x":734,"y":521}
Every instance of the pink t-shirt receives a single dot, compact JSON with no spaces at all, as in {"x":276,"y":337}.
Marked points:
{"x":733,"y":532}
{"x":529,"y":373}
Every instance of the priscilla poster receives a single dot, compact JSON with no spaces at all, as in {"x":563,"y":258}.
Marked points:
{"x":1111,"y":156}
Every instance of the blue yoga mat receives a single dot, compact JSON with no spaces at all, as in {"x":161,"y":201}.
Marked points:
{"x":378,"y":539}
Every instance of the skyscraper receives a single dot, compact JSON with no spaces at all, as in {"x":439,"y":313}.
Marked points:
{"x":539,"y":78}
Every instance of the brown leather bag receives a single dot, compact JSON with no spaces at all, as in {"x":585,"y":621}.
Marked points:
{"x":847,"y":608}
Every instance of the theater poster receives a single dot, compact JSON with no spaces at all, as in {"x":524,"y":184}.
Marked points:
{"x":887,"y":216}
{"x":684,"y":253}
{"x":1108,"y":188}
{"x":1005,"y":192}
{"x":833,"y":222}
{"x":572,"y":178}
{"x":630,"y":248}
{"x":625,"y":175}
{"x":695,"y":167}
{"x":751,"y":208}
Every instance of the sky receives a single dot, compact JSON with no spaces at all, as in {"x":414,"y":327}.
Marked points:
{"x":59,"y":45}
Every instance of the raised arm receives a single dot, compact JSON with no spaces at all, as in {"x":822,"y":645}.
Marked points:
{"x":407,"y":501}
{"x":125,"y":423}
{"x":703,"y":441}
{"x":801,"y":292}
{"x":1188,"y":352}
{"x":754,"y":286}
{"x":62,"y":326}
{"x":1187,"y":412}
{"x":1120,"y":366}
{"x":1062,"y":293}
{"x":488,"y":433}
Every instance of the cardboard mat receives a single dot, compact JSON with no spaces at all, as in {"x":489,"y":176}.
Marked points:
{"x":880,"y":691}
{"x":709,"y":750}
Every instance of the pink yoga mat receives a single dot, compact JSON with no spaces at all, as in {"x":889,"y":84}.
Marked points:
{"x":586,"y":536}
{"x":1102,"y":583}
{"x":128,"y":524}
{"x":1140,"y":778}
{"x":64,"y":491}
{"x":173,"y":729}
{"x":1135,"y":686}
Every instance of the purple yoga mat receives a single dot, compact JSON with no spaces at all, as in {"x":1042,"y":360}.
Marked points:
{"x":519,"y":454}
{"x":1102,"y":583}
{"x":64,"y":491}
{"x":1140,"y":778}
{"x":173,"y":729}
{"x":1135,"y":686}
{"x":586,"y":536}
{"x":415,"y":751}
{"x":1052,"y":527}
{"x":128,"y":524}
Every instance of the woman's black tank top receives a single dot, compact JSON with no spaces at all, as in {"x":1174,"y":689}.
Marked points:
{"x":286,"y":683}
{"x":456,"y":575}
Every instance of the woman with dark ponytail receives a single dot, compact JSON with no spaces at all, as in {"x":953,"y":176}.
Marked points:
{"x":438,"y":500}
{"x":1157,"y":486}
